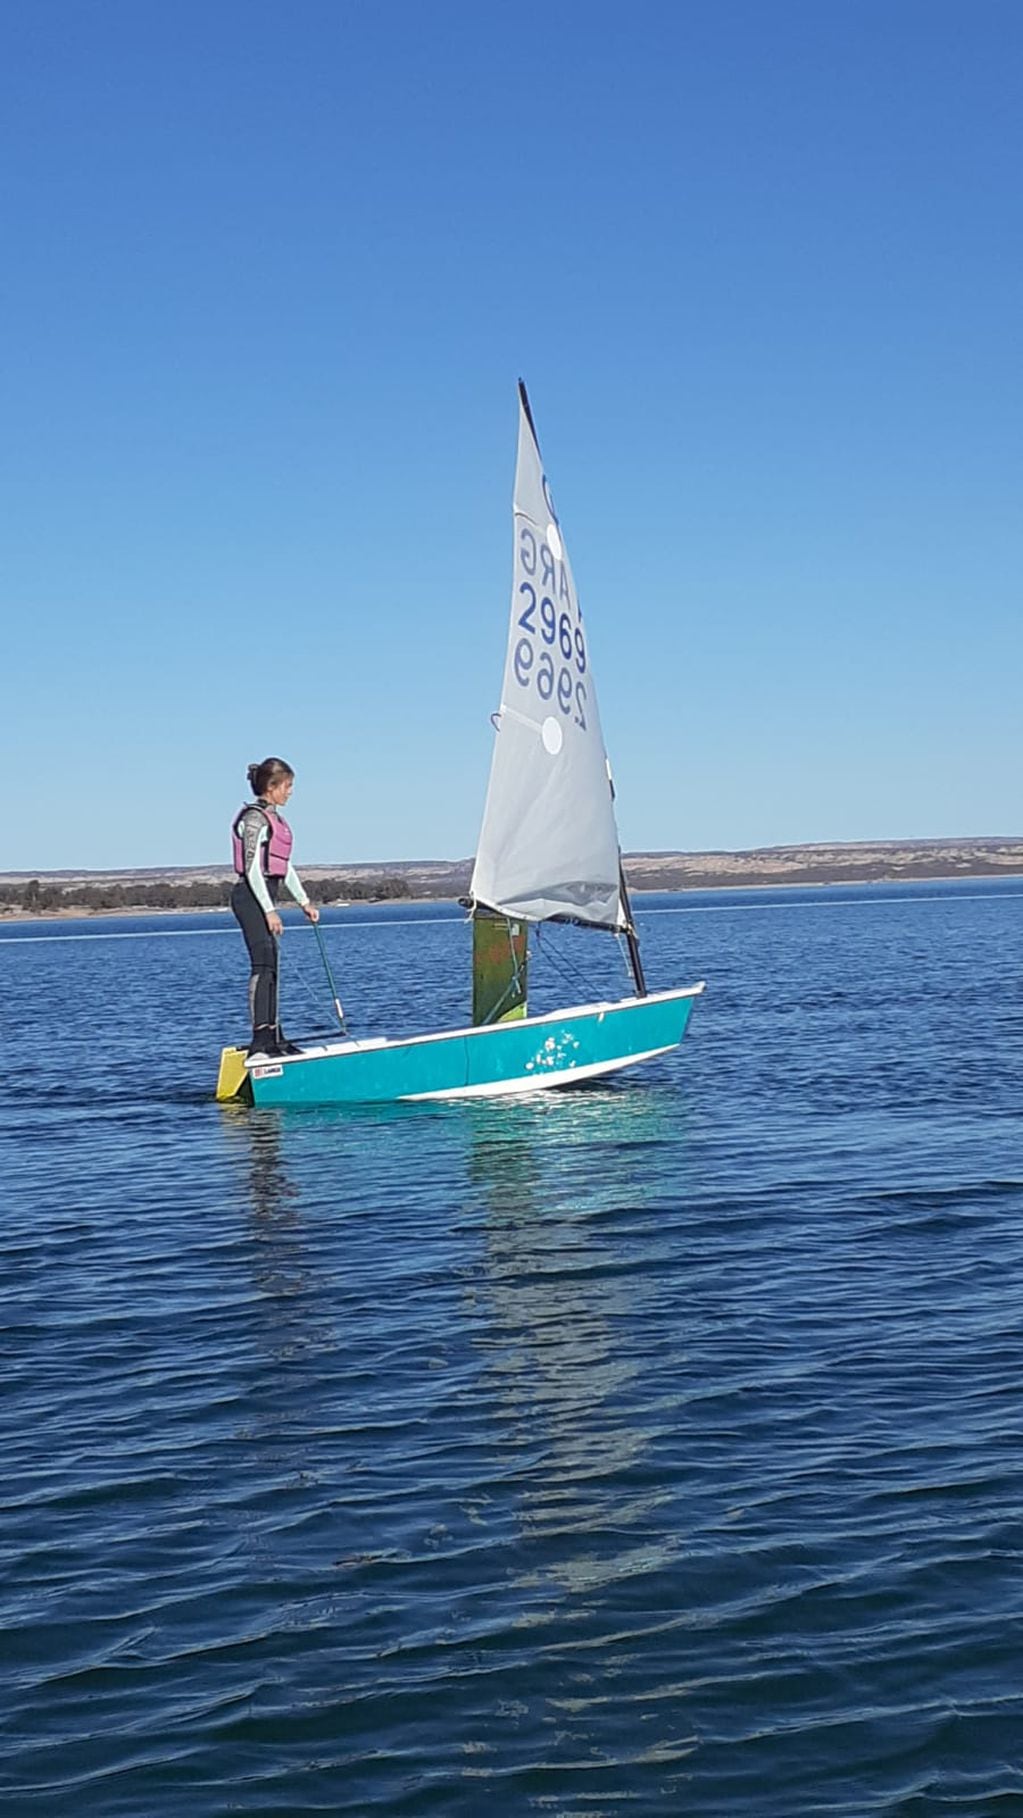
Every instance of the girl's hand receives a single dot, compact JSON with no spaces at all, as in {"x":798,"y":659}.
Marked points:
{"x":274,"y":923}
{"x":310,"y":910}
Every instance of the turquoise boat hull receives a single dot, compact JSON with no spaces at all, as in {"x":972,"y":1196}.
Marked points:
{"x":532,"y":1054}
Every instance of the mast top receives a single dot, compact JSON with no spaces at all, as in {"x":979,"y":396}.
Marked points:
{"x":524,"y":401}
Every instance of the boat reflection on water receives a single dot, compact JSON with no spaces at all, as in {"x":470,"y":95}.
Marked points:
{"x":256,"y":1136}
{"x":566,"y":1182}
{"x":271,"y":1191}
{"x":292,"y":1317}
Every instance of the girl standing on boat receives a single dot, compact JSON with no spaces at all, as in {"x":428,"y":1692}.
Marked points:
{"x":261,"y":841}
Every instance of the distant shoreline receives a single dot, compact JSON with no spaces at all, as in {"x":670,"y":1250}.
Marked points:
{"x":200,"y":889}
{"x":76,"y":913}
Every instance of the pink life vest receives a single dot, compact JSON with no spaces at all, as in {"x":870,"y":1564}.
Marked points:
{"x":276,"y":851}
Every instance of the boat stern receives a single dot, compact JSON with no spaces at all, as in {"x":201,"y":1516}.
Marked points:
{"x":232,"y":1079}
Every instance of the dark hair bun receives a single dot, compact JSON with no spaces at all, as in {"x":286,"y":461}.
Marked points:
{"x":263,"y":776}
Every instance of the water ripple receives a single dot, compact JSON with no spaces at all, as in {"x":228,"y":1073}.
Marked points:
{"x":656,"y":1448}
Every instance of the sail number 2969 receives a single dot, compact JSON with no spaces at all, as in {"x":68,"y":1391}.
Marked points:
{"x":551,"y":653}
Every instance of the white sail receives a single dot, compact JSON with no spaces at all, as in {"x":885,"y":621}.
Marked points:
{"x":548,"y":845}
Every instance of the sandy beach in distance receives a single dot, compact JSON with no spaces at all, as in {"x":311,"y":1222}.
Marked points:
{"x":418,"y":881}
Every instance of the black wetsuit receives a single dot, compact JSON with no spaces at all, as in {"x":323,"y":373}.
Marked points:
{"x":252,"y":896}
{"x":262,"y":946}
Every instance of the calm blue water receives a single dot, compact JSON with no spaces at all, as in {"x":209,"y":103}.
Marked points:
{"x":656,"y":1448}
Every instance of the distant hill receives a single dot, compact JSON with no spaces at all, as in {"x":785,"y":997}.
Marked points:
{"x":207,"y":886}
{"x":852,"y":862}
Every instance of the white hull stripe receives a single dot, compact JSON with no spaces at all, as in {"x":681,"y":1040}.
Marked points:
{"x":540,"y":1082}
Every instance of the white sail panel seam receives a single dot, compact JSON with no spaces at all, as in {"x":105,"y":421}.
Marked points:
{"x":523,"y":718}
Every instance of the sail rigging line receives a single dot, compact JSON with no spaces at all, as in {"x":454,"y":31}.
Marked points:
{"x":558,"y":963}
{"x":313,"y":999}
{"x":312,"y":996}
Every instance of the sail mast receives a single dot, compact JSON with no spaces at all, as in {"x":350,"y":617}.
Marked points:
{"x":631,"y":937}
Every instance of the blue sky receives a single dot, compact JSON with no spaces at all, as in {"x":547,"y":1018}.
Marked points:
{"x":270,"y":274}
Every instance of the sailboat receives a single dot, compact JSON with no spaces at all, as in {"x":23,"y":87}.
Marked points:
{"x":548,"y":852}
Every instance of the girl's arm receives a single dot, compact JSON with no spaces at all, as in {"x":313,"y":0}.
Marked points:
{"x":294,"y":886}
